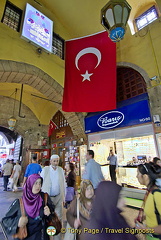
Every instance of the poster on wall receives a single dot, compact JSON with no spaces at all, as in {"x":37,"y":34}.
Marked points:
{"x":37,"y":28}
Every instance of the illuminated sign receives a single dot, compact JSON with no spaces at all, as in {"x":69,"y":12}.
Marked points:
{"x":37,"y":28}
{"x":110,"y":119}
{"x":133,"y":114}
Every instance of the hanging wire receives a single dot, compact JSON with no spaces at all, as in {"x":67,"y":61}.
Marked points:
{"x":14,"y":101}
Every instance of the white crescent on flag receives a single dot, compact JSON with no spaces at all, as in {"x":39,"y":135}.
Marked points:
{"x":93,"y":50}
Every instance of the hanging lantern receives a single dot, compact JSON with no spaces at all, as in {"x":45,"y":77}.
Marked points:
{"x":12,"y":122}
{"x":114,"y":17}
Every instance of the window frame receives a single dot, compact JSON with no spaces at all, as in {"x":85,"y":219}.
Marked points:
{"x":16,"y":10}
{"x":144,"y":15}
{"x":62,"y":41}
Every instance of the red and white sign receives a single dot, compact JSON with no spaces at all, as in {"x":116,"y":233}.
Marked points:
{"x":90,"y":74}
{"x":52,"y":127}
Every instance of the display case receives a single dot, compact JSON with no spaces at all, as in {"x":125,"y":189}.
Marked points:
{"x":127,"y":177}
{"x":72,"y":155}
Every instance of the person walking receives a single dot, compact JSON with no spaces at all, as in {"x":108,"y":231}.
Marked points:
{"x":149,"y":174}
{"x":15,"y":175}
{"x":35,"y":209}
{"x":32,"y":168}
{"x":71,"y":183}
{"x":54,"y":185}
{"x":92,"y":170}
{"x":7,"y":170}
{"x":113,"y":165}
{"x":84,"y":206}
{"x":106,"y":219}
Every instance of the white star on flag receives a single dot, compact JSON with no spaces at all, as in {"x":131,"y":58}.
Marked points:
{"x":86,"y":76}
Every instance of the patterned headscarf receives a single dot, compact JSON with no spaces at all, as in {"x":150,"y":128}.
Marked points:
{"x":32,"y":202}
{"x":83,"y":186}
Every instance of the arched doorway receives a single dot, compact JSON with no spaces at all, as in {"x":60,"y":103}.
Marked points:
{"x":130,"y":83}
{"x":42,"y":85}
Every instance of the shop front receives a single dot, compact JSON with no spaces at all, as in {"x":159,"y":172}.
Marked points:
{"x":69,"y":147}
{"x":129,"y":132}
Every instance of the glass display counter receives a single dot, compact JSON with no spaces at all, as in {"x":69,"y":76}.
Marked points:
{"x":126,"y":176}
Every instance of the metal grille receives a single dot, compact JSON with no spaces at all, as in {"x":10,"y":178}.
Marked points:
{"x":58,"y":46}
{"x":12,"y":16}
{"x":60,"y":120}
{"x":146,"y":18}
{"x":129,"y":84}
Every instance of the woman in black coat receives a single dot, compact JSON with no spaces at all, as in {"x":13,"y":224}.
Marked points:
{"x":35,"y":209}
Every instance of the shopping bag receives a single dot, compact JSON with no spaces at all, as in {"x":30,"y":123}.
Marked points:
{"x":10,"y":183}
{"x":69,"y":194}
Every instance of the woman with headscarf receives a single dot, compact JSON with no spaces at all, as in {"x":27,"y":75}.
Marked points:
{"x":35,"y":209}
{"x":149,"y":174}
{"x":85,"y":207}
{"x":106,"y":218}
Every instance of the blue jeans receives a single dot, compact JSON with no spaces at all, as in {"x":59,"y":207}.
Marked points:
{"x":5,"y":180}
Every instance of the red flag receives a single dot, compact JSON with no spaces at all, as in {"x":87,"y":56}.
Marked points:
{"x":52,"y":127}
{"x":90,"y":74}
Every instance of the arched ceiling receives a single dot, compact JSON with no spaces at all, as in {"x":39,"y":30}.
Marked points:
{"x":82,"y":18}
{"x":8,"y":134}
{"x":43,"y":110}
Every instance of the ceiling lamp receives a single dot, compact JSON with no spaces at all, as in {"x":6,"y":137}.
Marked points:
{"x":114,"y":17}
{"x":11,"y":123}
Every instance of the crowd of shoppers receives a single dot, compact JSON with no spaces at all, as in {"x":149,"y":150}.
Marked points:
{"x":96,"y":209}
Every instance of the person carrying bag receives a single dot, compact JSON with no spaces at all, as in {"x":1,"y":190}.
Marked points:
{"x":35,"y":209}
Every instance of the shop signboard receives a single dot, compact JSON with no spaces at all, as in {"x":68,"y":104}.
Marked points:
{"x":37,"y":28}
{"x":133,"y":114}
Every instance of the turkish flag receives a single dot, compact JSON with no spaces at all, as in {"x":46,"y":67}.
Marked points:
{"x":90,"y":74}
{"x":52,"y":127}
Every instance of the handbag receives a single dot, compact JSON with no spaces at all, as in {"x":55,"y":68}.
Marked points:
{"x":10,"y":183}
{"x":69,"y":234}
{"x":69,"y":194}
{"x":22,"y":231}
{"x":53,"y":219}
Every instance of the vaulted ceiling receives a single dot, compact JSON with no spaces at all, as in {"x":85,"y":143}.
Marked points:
{"x":83,"y":17}
{"x":79,"y":18}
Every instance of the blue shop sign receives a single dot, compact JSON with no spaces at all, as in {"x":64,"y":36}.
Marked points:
{"x":133,"y":114}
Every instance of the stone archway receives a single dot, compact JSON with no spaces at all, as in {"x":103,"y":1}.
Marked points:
{"x":23,"y":73}
{"x":138,"y":69}
{"x":153,"y":91}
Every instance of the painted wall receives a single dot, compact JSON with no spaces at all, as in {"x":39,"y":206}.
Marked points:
{"x":13,"y":47}
{"x":142,"y":49}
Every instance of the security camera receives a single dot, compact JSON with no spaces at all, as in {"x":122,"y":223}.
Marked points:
{"x":39,"y":50}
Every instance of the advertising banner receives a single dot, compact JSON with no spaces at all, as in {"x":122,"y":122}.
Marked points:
{"x":37,"y":28}
{"x":133,"y":114}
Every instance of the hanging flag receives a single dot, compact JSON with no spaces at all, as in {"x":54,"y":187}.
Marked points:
{"x":52,"y":127}
{"x":90,"y":74}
